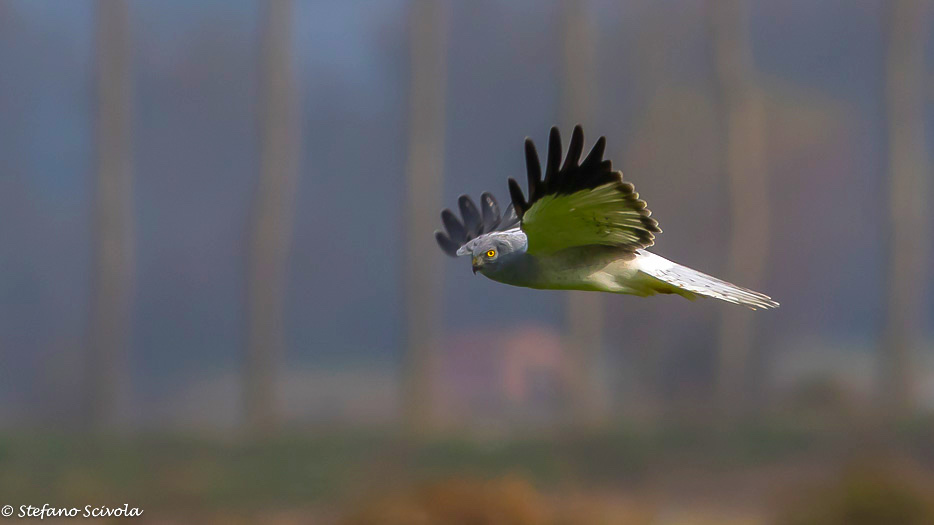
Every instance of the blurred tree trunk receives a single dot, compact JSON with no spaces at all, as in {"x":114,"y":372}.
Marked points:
{"x":649,"y":81}
{"x":422,"y":280}
{"x":909,"y":194}
{"x":585,"y":310}
{"x":743,"y":120}
{"x":113,"y":229}
{"x":271,"y":229}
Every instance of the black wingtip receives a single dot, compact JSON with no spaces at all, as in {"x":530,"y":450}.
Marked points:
{"x":531,"y":150}
{"x":447,"y":245}
{"x":553,"y":164}
{"x":533,"y":170}
{"x":596,"y":154}
{"x":518,"y":199}
{"x":471,"y":215}
{"x":575,"y":149}
{"x":489,"y":211}
{"x":455,"y":228}
{"x":510,"y":218}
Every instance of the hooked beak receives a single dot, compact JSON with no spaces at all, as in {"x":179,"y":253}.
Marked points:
{"x":476,"y":265}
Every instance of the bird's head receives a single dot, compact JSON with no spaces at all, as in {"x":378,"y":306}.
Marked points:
{"x":490,"y":252}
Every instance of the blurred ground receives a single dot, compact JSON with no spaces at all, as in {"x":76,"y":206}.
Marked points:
{"x":752,"y":473}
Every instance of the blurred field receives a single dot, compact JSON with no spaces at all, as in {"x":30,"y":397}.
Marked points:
{"x":748,"y":473}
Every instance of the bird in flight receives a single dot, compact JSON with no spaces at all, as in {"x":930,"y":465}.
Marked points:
{"x":581,"y":228}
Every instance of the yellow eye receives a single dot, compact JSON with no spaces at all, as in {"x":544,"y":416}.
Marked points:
{"x":491,"y":254}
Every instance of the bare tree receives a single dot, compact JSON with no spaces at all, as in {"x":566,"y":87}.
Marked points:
{"x":585,"y":310}
{"x":909,"y":194}
{"x":422,"y":278}
{"x":270,"y":238}
{"x":743,"y":118}
{"x":113,"y":229}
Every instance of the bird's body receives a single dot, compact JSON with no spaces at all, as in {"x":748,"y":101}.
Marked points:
{"x":607,"y":269}
{"x":577,"y":268}
{"x":583,"y":228}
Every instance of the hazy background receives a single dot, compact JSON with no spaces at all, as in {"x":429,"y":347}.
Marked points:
{"x":220,"y":298}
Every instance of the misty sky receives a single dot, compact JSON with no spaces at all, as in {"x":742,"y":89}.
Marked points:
{"x":195,"y":166}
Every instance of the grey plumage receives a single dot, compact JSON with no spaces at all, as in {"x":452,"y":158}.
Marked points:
{"x":581,"y":228}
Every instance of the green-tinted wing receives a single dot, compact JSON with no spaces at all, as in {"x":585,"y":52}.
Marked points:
{"x":579,"y":204}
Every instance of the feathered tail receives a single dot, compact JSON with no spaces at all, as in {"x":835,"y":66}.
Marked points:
{"x":670,"y":277}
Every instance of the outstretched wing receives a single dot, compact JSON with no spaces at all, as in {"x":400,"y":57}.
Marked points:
{"x":579,"y":203}
{"x":475,"y":223}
